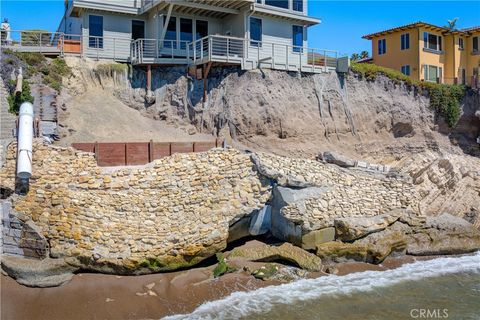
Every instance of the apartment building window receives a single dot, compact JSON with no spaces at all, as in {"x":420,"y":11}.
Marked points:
{"x":297,"y":38}
{"x":432,"y":41}
{"x":201,"y":29}
{"x":406,"y":70}
{"x":298,"y":5}
{"x":171,"y":34}
{"x":432,"y":73}
{"x":405,"y":41}
{"x":186,"y":32}
{"x":255,"y":31}
{"x":278,"y":3}
{"x":464,"y":76}
{"x":460,"y":44}
{"x":95,"y":31}
{"x":475,"y":44}
{"x":382,"y":46}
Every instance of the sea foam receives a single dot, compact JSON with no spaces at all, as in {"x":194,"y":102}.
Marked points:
{"x":242,"y":304}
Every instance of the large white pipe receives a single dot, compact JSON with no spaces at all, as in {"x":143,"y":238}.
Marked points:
{"x":25,"y":137}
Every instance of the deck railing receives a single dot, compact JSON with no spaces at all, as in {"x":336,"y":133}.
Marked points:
{"x":249,"y":53}
{"x":32,"y":40}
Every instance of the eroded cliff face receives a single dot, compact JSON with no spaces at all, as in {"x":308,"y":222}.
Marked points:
{"x":303,"y":115}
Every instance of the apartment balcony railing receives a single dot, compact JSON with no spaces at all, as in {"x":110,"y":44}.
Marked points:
{"x":231,"y":50}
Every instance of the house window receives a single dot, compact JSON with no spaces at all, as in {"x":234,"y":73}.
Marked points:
{"x":460,"y":44}
{"x":382,"y":46}
{"x":405,"y":41}
{"x":138,"y":29}
{"x":464,"y":76}
{"x":171,"y":34}
{"x":432,"y":41}
{"x":255,"y":31}
{"x":432,"y":73}
{"x":95,"y":31}
{"x":406,"y":70}
{"x":201,"y":29}
{"x":277,"y":3}
{"x":297,"y":38}
{"x":475,"y":44}
{"x":298,"y":5}
{"x":186,"y":32}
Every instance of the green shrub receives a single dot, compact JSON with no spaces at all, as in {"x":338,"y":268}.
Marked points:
{"x":16,"y":100}
{"x":31,"y":58}
{"x":444,"y":99}
{"x":109,"y":68}
{"x":53,"y":73}
{"x":7,"y":51}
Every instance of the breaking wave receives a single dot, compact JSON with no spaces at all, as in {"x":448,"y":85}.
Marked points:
{"x":243,"y":304}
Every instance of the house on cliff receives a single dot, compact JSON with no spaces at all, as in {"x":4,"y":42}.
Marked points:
{"x":248,"y":33}
{"x":429,"y":53}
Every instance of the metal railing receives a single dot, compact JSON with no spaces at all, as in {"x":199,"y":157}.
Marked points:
{"x":32,"y":40}
{"x":262,"y":54}
{"x":250,"y":54}
{"x":147,"y":50}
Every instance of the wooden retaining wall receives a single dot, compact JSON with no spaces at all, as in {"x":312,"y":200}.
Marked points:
{"x":138,"y":153}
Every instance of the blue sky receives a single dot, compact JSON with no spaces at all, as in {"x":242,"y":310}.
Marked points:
{"x":343,"y":22}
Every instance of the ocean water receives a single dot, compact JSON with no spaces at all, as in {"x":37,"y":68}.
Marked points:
{"x":443,"y":288}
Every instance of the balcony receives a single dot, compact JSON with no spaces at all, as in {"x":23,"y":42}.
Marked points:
{"x":249,"y":54}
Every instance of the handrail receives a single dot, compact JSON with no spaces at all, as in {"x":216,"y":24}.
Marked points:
{"x":221,"y":48}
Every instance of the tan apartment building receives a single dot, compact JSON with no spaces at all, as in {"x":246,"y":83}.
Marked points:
{"x":429,"y":53}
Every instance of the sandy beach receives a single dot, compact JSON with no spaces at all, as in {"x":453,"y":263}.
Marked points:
{"x":100,"y":296}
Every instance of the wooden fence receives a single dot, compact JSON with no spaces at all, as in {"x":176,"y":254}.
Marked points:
{"x":138,"y":153}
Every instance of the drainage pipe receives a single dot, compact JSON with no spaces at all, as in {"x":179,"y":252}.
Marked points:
{"x":24,"y":143}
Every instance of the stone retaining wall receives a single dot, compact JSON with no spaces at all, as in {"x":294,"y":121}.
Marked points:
{"x":19,"y":235}
{"x":168,"y":214}
{"x":178,"y":210}
{"x":350,"y":192}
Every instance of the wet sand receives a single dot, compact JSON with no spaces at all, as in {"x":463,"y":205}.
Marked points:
{"x":99,"y":296}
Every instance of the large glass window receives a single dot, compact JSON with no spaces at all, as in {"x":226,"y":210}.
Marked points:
{"x":432,"y":41}
{"x":95,"y":31}
{"x":255,"y":31}
{"x":298,"y":5}
{"x":432,"y":73}
{"x":297,"y":38}
{"x":201,"y":29}
{"x":382,"y":46}
{"x":277,"y":3}
{"x":171,"y":34}
{"x":186,"y":32}
{"x":405,"y":70}
{"x":405,"y":41}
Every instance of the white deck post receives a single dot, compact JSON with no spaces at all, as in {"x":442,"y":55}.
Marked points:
{"x":40,"y":43}
{"x":300,"y":55}
{"x":210,"y":43}
{"x":273,"y":55}
{"x":286,"y":57}
{"x":114,"y":44}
